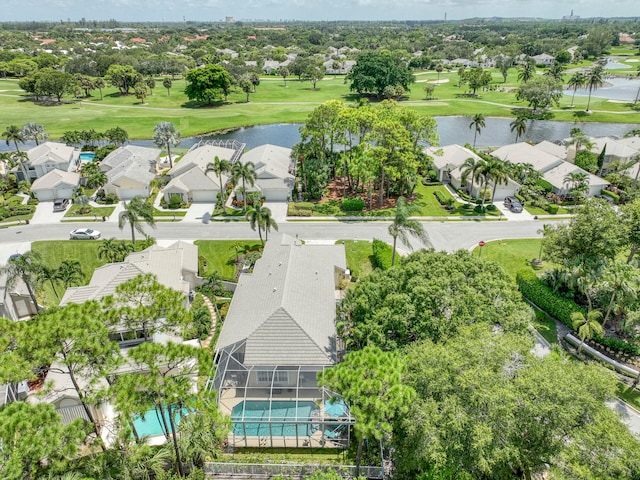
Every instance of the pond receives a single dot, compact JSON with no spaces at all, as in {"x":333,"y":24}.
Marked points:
{"x":450,"y":129}
{"x":616,"y":88}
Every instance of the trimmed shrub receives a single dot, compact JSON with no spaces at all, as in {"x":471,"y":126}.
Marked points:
{"x":492,"y":208}
{"x":610,"y":194}
{"x":352,"y":204}
{"x":479,"y":209}
{"x":541,"y":182}
{"x":553,"y":209}
{"x":382,"y":253}
{"x":520,"y":198}
{"x":175,"y":201}
{"x":443,"y":199}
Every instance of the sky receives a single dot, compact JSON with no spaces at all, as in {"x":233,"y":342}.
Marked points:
{"x":279,"y":10}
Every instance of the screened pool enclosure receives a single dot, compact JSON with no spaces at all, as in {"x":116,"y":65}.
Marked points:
{"x":279,"y":406}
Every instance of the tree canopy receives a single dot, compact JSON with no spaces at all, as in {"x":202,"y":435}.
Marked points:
{"x":207,"y":84}
{"x":374,"y":71}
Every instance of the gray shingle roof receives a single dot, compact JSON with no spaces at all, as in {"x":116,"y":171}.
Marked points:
{"x":51,"y":152}
{"x":131,"y":154}
{"x":54,"y":179}
{"x":285,"y":309}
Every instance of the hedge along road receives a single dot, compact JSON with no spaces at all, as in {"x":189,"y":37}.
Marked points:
{"x":448,"y":236}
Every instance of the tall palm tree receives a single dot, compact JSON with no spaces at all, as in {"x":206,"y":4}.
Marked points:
{"x":555,"y":71}
{"x":478,"y":122}
{"x":247,"y":173}
{"x":69,"y":272}
{"x":593,"y":81}
{"x":497,"y":172}
{"x":576,"y":81}
{"x":166,"y":135}
{"x":470,"y":168}
{"x":576,"y":182}
{"x":637,"y":95}
{"x":519,"y":125}
{"x":108,"y":249}
{"x":48,"y":274}
{"x":587,"y":327}
{"x":34,"y":131}
{"x":25,"y":268}
{"x":13,"y":134}
{"x":526,"y":70}
{"x":260,"y":217}
{"x":134,"y":213}
{"x":219,"y":166}
{"x":622,"y":279}
{"x":402,"y":226}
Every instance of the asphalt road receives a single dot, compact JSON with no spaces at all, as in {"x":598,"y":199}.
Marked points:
{"x":449,"y":236}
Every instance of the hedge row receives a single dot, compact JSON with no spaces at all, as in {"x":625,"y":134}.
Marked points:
{"x":537,"y":292}
{"x":610,"y":194}
{"x":382,"y":253}
{"x":441,"y":197}
{"x":548,"y":188}
{"x":352,"y":204}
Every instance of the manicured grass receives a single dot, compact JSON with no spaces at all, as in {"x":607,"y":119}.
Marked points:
{"x":541,"y":211}
{"x":220,"y":255}
{"x":74,"y":211}
{"x":168,"y":213}
{"x":632,"y":397}
{"x":513,"y":255}
{"x":359,"y":257}
{"x":546,"y":326}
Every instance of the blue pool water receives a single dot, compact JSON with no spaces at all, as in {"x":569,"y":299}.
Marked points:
{"x":287,"y":412}
{"x":150,"y":424}
{"x":87,"y":156}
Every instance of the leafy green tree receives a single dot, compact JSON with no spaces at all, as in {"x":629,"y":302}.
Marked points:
{"x":117,"y":136}
{"x":32,"y":435}
{"x":593,"y":80}
{"x":140,"y":91}
{"x":284,"y":73}
{"x":24,"y":268}
{"x":246,"y":86}
{"x":166,"y":136}
{"x":555,"y":71}
{"x":13,"y":134}
{"x":431,"y":296}
{"x":476,"y":78}
{"x":519,"y":125}
{"x":503,"y":64}
{"x":403,"y":225}
{"x":247,"y":173}
{"x":207,"y":84}
{"x":135,"y":212}
{"x":478,"y":123}
{"x":219,"y":167}
{"x":370,"y":381}
{"x":374,"y":71}
{"x":167,"y":83}
{"x":99,"y":84}
{"x":313,"y":73}
{"x":622,"y":280}
{"x":540,"y":92}
{"x":631,"y":225}
{"x":587,"y":327}
{"x":576,"y":81}
{"x":123,"y":77}
{"x":142,"y":304}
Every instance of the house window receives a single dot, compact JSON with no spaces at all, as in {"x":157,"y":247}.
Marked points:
{"x":265,"y":377}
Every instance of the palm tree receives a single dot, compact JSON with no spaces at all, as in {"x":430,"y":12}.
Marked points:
{"x":519,"y":125}
{"x":497,"y":172}
{"x":13,"y":134}
{"x":555,"y":71}
{"x":246,"y":172}
{"x":34,"y":131}
{"x":402,"y":226}
{"x":470,"y":168}
{"x":48,"y":274}
{"x":166,"y":135}
{"x":260,"y":217}
{"x":637,"y":95}
{"x":26,"y":268}
{"x":621,"y":278}
{"x":479,"y":123}
{"x":83,"y":201}
{"x":593,"y":81}
{"x":219,"y":166}
{"x":576,"y":182}
{"x":576,"y":81}
{"x":69,"y":272}
{"x":108,"y":249}
{"x":587,"y":327}
{"x":136,"y":211}
{"x":526,"y":70}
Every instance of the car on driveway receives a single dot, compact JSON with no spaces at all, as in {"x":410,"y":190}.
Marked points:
{"x":513,"y":204}
{"x":60,"y":205}
{"x":84,"y":234}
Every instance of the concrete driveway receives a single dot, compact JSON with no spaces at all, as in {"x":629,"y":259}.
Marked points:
{"x":523,"y":216}
{"x":278,"y":210}
{"x":44,"y":214}
{"x":199,"y":212}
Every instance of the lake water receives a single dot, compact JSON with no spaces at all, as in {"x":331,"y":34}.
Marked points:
{"x":451,"y":130}
{"x":619,"y":89}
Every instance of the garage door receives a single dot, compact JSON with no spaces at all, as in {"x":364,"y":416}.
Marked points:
{"x":64,"y":193}
{"x":275,"y":195}
{"x":201,"y":196}
{"x":129,"y":193}
{"x":44,"y":195}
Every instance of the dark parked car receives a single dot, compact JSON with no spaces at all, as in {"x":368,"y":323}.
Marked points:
{"x":516,"y":207}
{"x":60,"y":205}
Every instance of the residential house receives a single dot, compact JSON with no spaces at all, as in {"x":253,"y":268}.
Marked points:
{"x":46,"y":157}
{"x":274,"y":171}
{"x":130,"y":170}
{"x":15,"y":301}
{"x":278,"y":334}
{"x":554,"y":149}
{"x":55,"y":184}
{"x":188,"y":178}
{"x":544,"y":59}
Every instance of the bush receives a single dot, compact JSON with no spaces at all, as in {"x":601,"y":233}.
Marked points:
{"x":520,"y":198}
{"x":382,"y":253}
{"x":479,"y":209}
{"x":553,"y":209}
{"x":442,"y":198}
{"x":352,"y":204}
{"x":175,"y":201}
{"x":613,"y":195}
{"x":492,"y":208}
{"x":541,"y":182}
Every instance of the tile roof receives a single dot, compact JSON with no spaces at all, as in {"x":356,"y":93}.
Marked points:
{"x":54,"y":179}
{"x":51,"y":152}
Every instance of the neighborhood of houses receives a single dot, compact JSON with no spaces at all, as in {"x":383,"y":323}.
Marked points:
{"x":280,"y":328}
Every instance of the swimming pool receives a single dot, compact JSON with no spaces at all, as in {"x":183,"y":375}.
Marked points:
{"x":87,"y":156}
{"x":150,"y":423}
{"x":251,"y":418}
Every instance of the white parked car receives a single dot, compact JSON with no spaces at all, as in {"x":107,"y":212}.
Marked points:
{"x":84,"y":234}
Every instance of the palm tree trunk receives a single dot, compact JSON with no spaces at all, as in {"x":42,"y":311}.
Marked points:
{"x":610,"y":306}
{"x":133,"y":235}
{"x":53,"y":287}
{"x":222,"y":199}
{"x":260,"y":234}
{"x":474,"y":138}
{"x":32,"y":294}
{"x":574,"y":95}
{"x":589,"y":100}
{"x":169,"y":155}
{"x":175,"y":443}
{"x":393,"y":253}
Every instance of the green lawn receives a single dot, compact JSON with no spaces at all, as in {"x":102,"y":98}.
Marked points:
{"x":540,"y":211}
{"x":220,"y":255}
{"x":359,"y":257}
{"x":513,"y":255}
{"x":632,"y":397}
{"x":74,"y":211}
{"x":546,"y":326}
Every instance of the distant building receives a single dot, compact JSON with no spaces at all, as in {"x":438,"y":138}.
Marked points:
{"x":229,"y":20}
